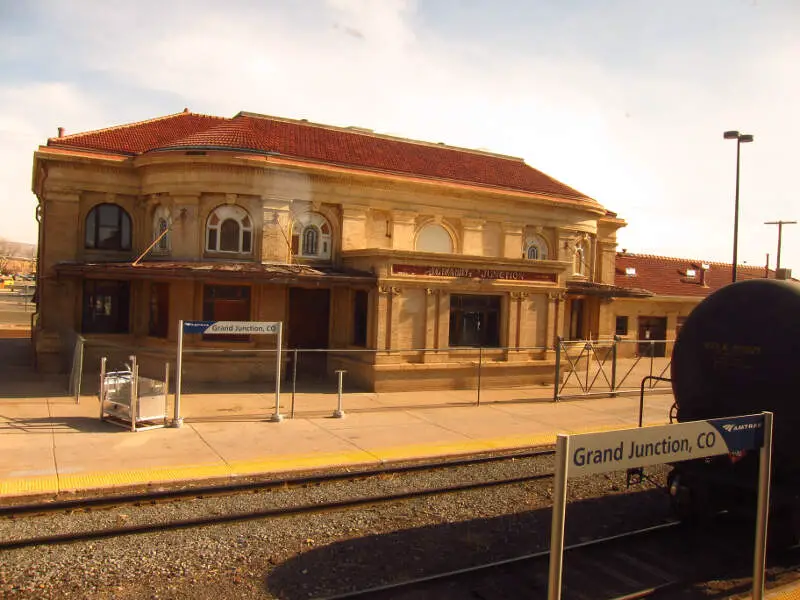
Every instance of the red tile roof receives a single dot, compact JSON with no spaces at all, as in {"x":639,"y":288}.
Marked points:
{"x":139,"y":137}
{"x":320,"y":143}
{"x":667,"y":276}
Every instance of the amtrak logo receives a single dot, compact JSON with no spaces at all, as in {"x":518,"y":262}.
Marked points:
{"x":743,"y":426}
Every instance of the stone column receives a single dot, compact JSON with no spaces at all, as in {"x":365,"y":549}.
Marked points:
{"x":512,"y":240}
{"x":404,"y":224}
{"x":515,"y":319}
{"x":472,"y":236}
{"x":387,"y":317}
{"x":555,"y":320}
{"x":276,"y":237}
{"x":431,"y":323}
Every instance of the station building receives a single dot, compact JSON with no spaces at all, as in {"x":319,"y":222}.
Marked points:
{"x":669,"y":289}
{"x":419,"y":255}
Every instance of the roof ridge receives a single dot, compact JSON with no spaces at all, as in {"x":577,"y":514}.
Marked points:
{"x":185,"y":111}
{"x":692,"y":260}
{"x":371,"y":133}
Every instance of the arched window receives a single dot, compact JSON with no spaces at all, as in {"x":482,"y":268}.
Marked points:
{"x":535,"y":248}
{"x":161,"y":223}
{"x":311,"y":236}
{"x":108,"y":227}
{"x":434,"y":238}
{"x":229,"y":229}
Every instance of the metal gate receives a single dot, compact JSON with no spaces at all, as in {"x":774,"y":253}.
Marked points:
{"x":586,"y":368}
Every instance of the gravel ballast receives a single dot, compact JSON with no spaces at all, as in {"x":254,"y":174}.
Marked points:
{"x":319,"y":554}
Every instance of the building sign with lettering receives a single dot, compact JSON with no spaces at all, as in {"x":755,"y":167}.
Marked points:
{"x":446,"y":271}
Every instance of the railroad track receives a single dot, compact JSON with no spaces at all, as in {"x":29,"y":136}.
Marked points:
{"x":13,"y":512}
{"x":659,"y":561}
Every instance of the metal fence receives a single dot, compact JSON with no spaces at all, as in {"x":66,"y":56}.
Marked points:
{"x":587,"y":368}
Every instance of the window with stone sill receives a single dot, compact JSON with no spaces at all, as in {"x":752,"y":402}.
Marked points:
{"x":311,"y":237}
{"x":229,"y":229}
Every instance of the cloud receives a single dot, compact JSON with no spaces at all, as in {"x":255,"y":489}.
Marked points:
{"x":623,"y":102}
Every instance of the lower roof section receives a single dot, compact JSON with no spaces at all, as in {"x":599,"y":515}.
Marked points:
{"x":259,"y":272}
{"x":605,"y":290}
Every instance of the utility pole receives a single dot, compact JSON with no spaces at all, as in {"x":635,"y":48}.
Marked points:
{"x":780,"y":225}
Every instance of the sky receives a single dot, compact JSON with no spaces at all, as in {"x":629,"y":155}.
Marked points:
{"x":624,"y":100}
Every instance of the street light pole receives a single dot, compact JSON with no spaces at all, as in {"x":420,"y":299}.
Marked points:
{"x":780,"y":225}
{"x":740,"y":139}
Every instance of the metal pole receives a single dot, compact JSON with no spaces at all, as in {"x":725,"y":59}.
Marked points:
{"x":614,"y":365}
{"x":557,"y":381}
{"x":780,"y":225}
{"x":177,"y":420}
{"x":559,"y":510}
{"x":134,"y":392}
{"x":294,"y":379}
{"x":277,"y":417}
{"x":79,"y":376}
{"x":736,"y":212}
{"x":480,"y":361}
{"x":339,"y":412}
{"x":588,"y":348}
{"x":764,"y":471}
{"x":102,"y":384}
{"x":166,"y":390}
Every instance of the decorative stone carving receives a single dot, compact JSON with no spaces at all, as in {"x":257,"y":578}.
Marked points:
{"x":557,"y":296}
{"x":518,"y":296}
{"x":389,"y":290}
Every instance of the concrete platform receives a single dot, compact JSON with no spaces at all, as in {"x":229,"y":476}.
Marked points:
{"x":50,"y":445}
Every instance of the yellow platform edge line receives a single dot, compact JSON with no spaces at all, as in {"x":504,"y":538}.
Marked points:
{"x":144,"y":476}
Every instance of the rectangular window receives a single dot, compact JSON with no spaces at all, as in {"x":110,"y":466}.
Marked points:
{"x":226,"y":303}
{"x":622,"y":326}
{"x":159,"y":310}
{"x":360,"y":307}
{"x":474,"y":321}
{"x":106,"y":307}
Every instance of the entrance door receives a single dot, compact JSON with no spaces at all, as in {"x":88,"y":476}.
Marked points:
{"x":309,"y":322}
{"x":652,"y":328}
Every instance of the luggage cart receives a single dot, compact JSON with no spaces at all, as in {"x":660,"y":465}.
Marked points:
{"x":131,"y":401}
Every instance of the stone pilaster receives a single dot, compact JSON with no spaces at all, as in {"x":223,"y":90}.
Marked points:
{"x":472,"y":236}
{"x":276,"y":237}
{"x":354,"y":228}
{"x":512,"y":240}
{"x":431,"y":321}
{"x":403,"y":229}
{"x":188,"y":230}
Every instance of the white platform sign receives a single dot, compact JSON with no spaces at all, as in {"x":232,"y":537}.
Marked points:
{"x":629,"y":448}
{"x":231,"y":327}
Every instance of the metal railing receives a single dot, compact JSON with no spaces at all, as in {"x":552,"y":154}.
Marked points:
{"x":586,"y":368}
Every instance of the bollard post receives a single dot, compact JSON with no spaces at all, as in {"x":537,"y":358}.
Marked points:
{"x":102,"y":392}
{"x":339,"y":412}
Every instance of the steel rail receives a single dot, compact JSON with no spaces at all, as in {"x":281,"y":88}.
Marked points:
{"x":233,"y":488}
{"x":97,"y":534}
{"x":544,"y":554}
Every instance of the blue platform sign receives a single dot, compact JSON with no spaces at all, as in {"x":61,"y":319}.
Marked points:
{"x":645,"y":446}
{"x":231,"y":327}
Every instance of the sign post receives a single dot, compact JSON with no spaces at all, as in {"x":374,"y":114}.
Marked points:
{"x":230,"y":328}
{"x":591,"y":453}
